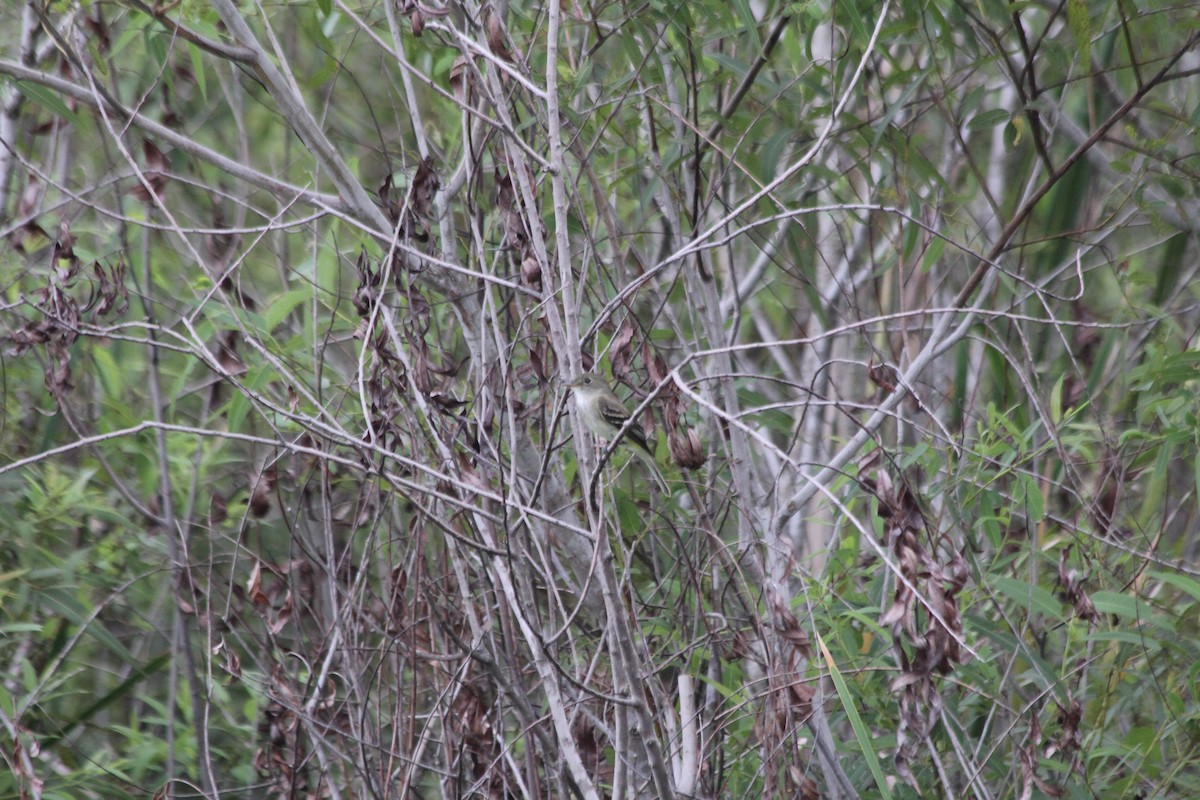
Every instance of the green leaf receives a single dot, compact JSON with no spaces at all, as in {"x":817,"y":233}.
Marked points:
{"x":156,"y":52}
{"x":1080,"y":22}
{"x":1014,"y":132}
{"x":731,"y":691}
{"x":1122,"y":605}
{"x":850,"y":706}
{"x":748,"y":22}
{"x":50,"y":100}
{"x":1182,"y":582}
{"x":1056,"y":400}
{"x":70,"y":608}
{"x":124,"y":688}
{"x":734,"y":65}
{"x":901,"y":104}
{"x":933,"y":253}
{"x":628,"y":513}
{"x":1028,"y":495}
{"x":1035,"y":598}
{"x":284,"y":305}
{"x":1146,"y":643}
{"x":197,"y":58}
{"x":110,"y":374}
{"x":912,"y":235}
{"x":989,"y":119}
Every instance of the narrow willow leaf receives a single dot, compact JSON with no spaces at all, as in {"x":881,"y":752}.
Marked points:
{"x":861,"y":734}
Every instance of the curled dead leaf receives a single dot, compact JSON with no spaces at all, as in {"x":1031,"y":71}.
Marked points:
{"x":496,"y":35}
{"x":262,"y":485}
{"x":884,"y":376}
{"x":686,"y":449}
{"x":459,"y":78}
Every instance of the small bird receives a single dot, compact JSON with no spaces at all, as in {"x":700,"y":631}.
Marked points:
{"x":604,"y":414}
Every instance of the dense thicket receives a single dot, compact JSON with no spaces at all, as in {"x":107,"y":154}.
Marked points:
{"x":295,"y":503}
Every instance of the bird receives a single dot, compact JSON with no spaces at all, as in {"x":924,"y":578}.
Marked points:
{"x":604,"y":415}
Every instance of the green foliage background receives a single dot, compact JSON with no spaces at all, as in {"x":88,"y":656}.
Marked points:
{"x":292,"y":501}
